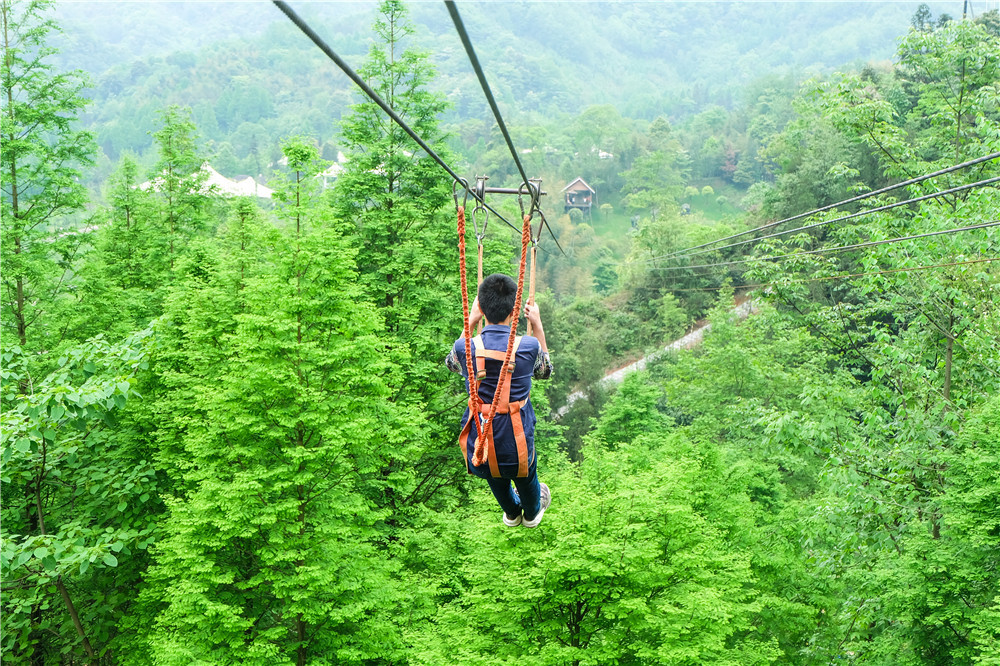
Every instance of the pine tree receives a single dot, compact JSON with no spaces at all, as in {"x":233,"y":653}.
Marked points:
{"x":41,"y":161}
{"x":121,"y":281}
{"x":397,"y":198}
{"x":180,"y":184}
{"x":279,"y":388}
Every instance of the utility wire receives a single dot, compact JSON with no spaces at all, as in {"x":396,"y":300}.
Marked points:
{"x":837,"y":277}
{"x":471,"y":52}
{"x":932,"y":195}
{"x":839,"y":248}
{"x":860,"y":197}
{"x":374,"y":96}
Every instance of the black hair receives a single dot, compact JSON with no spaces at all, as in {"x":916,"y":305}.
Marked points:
{"x":497,"y":294}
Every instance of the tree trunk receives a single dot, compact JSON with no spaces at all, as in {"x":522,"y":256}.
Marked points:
{"x":76,"y":618}
{"x":59,"y":582}
{"x":949,"y":349}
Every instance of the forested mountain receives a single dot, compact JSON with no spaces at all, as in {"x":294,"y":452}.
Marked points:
{"x":228,"y":433}
{"x":250,"y":78}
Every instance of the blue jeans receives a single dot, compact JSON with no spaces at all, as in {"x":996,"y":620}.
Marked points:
{"x":528,"y":489}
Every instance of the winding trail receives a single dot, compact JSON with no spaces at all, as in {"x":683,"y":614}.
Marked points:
{"x":692,"y":339}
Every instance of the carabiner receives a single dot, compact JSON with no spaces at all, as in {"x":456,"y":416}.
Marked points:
{"x":480,"y":213}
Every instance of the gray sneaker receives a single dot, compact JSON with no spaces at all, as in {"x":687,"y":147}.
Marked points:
{"x":512,"y":522}
{"x":546,"y":500}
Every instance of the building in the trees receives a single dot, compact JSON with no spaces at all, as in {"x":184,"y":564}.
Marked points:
{"x":579,"y":195}
{"x":215,"y":183}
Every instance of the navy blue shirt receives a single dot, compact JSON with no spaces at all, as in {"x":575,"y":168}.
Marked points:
{"x":530,"y":362}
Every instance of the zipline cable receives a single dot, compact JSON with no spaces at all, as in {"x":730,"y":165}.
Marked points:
{"x":932,"y":195}
{"x":467,"y":43}
{"x":838,"y":248}
{"x":860,"y":197}
{"x":374,"y":96}
{"x":474,"y":59}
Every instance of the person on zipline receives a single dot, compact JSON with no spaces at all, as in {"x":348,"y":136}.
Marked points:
{"x":511,"y":457}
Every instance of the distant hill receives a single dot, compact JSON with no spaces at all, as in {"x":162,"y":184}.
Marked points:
{"x":251,"y":77}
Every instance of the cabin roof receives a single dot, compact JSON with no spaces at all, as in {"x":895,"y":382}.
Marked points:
{"x":579,"y":185}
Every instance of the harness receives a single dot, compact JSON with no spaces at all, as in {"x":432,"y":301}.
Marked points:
{"x":484,"y":449}
{"x":503,"y":406}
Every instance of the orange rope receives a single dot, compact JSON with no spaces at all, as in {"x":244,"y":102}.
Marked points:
{"x":474,"y":401}
{"x":484,"y":432}
{"x":479,"y":455}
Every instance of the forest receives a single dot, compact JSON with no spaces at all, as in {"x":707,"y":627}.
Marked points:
{"x":228,"y":431}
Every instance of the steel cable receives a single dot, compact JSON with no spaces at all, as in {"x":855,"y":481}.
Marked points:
{"x":375,"y":97}
{"x":474,"y":60}
{"x":839,"y":248}
{"x":879,"y":209}
{"x":860,"y":197}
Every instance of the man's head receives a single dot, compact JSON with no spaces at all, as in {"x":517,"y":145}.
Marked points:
{"x":496,"y":297}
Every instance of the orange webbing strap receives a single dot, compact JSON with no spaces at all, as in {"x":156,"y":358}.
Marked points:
{"x":531,"y":279}
{"x":478,"y":456}
{"x":503,"y":406}
{"x":480,"y":349}
{"x":479,"y":277}
{"x":517,"y":425}
{"x":474,"y":402}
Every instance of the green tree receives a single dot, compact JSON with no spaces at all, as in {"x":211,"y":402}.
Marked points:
{"x":940,"y":108}
{"x":179,"y":183}
{"x":41,"y":160}
{"x":398,"y":201}
{"x":922,"y":18}
{"x":76,"y":503}
{"x":656,"y":179}
{"x":991,"y":21}
{"x":270,"y":552}
{"x":124,"y":272}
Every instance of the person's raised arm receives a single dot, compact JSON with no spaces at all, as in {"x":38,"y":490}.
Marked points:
{"x":475,"y":314}
{"x":543,"y":364}
{"x":534,"y":316}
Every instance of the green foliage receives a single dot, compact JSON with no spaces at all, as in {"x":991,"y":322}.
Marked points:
{"x":657,"y":177}
{"x":398,"y":205}
{"x":179,"y":184}
{"x":937,"y":108}
{"x":78,"y":501}
{"x":123,"y":274}
{"x":41,"y":163}
{"x":273,"y":534}
{"x":631,"y":564}
{"x":271,"y":477}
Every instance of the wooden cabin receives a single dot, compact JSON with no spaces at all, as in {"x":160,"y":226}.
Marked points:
{"x":579,"y":195}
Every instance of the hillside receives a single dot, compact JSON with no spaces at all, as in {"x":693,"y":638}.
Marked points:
{"x":251,"y":78}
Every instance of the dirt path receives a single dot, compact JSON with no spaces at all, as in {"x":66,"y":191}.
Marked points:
{"x":692,"y":339}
